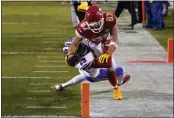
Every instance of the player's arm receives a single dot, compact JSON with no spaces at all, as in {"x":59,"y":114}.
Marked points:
{"x":71,"y":58}
{"x":75,"y":43}
{"x":114,"y":40}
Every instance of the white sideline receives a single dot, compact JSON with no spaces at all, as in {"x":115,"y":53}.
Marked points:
{"x":51,"y":66}
{"x":27,"y":77}
{"x":50,"y":61}
{"x":46,"y":107}
{"x":50,"y":71}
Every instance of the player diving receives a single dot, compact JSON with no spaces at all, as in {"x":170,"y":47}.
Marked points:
{"x":84,"y":60}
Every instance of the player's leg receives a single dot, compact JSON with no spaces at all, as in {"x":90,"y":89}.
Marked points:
{"x":77,"y":79}
{"x":97,"y":49}
{"x":75,"y":20}
{"x":120,"y":74}
{"x":113,"y":80}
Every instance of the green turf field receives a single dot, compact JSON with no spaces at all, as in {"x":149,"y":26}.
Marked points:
{"x":32,"y":60}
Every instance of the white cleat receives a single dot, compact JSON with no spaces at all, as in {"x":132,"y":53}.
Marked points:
{"x":57,"y":88}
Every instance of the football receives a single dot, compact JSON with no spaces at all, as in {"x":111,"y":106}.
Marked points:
{"x":72,"y":59}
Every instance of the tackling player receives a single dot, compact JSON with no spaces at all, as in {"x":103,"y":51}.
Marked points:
{"x":84,"y":64}
{"x":97,"y":27}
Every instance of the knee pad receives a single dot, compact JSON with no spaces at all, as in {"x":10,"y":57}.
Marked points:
{"x":119,"y":71}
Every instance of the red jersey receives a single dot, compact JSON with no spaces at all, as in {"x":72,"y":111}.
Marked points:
{"x":84,"y":31}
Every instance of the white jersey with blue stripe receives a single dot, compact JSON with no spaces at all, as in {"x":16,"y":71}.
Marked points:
{"x":83,"y":64}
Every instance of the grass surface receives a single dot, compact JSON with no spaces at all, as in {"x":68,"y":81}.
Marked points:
{"x":36,"y":31}
{"x":163,"y":35}
{"x":33,"y":32}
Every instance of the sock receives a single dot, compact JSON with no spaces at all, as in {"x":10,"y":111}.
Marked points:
{"x":112,"y":78}
{"x":119,"y":74}
{"x":74,"y":80}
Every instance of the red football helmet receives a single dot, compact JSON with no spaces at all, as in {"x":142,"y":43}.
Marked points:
{"x":94,"y":18}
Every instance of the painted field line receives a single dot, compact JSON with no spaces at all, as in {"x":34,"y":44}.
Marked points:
{"x":42,"y":71}
{"x":60,"y":57}
{"x":27,"y":23}
{"x":21,"y":23}
{"x":50,"y":42}
{"x":30,"y":53}
{"x":42,"y":84}
{"x":25,"y":77}
{"x":31,"y":98}
{"x":39,"y":91}
{"x":49,"y":116}
{"x":50,"y":49}
{"x":28,"y":14}
{"x":51,"y":66}
{"x":50,"y":61}
{"x":46,"y":107}
{"x":36,"y":36}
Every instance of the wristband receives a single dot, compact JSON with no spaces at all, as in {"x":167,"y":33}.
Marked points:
{"x":114,"y":43}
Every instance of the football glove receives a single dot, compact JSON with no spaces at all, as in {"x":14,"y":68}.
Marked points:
{"x":104,"y":58}
{"x":82,"y":7}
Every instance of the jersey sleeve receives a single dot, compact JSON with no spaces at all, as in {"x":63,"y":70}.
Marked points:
{"x":79,"y":32}
{"x":110,"y":19}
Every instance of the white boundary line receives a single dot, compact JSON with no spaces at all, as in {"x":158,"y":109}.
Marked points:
{"x":45,"y":107}
{"x":50,"y":61}
{"x":27,"y":77}
{"x":50,"y":71}
{"x":48,"y":66}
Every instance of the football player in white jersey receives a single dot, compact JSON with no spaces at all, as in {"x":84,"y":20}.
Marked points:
{"x":86,"y":72}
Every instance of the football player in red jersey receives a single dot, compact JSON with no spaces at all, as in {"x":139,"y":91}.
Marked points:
{"x":97,"y":27}
{"x":86,"y":72}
